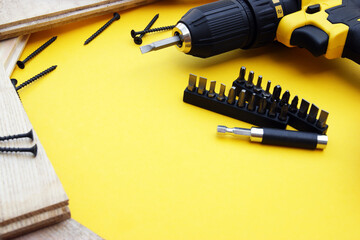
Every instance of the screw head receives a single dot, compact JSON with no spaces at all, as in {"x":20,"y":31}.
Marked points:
{"x":116,"y":16}
{"x":14,"y":81}
{"x":34,"y":150}
{"x":20,"y":64}
{"x":138,"y":40}
{"x":133,"y":33}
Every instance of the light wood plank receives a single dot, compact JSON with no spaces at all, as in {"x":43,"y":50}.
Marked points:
{"x":57,"y":20}
{"x":10,"y":51}
{"x":28,"y":185}
{"x":66,"y":230}
{"x":35,"y":222}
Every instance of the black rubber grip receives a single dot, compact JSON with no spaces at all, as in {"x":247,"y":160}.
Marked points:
{"x":348,"y":13}
{"x":290,"y":138}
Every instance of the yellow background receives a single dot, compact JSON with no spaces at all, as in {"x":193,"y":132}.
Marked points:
{"x":138,"y":163}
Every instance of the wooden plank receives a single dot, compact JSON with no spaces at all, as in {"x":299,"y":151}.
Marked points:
{"x":57,"y":20}
{"x":10,"y":51}
{"x":66,"y":230}
{"x":14,"y":12}
{"x":28,"y":186}
{"x":35,"y":222}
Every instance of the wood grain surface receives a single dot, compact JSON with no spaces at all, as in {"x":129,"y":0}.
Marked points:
{"x":49,"y":19}
{"x":66,"y":230}
{"x":28,"y":186}
{"x":10,"y":51}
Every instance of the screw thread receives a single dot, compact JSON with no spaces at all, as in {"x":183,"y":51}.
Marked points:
{"x":40,"y":49}
{"x":23,"y":135}
{"x":50,"y":69}
{"x":106,"y":25}
{"x":157,"y":29}
{"x":32,"y":150}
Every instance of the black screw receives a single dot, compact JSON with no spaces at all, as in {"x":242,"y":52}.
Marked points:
{"x":50,"y":69}
{"x":32,"y":150}
{"x":22,"y":135}
{"x":138,"y":40}
{"x":21,"y":64}
{"x":153,"y":30}
{"x":14,"y":82}
{"x":116,"y":17}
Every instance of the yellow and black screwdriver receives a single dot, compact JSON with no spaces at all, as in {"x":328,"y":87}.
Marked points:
{"x":324,"y":27}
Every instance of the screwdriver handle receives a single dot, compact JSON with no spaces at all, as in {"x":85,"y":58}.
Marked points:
{"x":287,"y":138}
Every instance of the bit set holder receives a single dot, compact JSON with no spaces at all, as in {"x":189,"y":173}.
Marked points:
{"x":256,"y":105}
{"x":228,"y":105}
{"x":299,"y":118}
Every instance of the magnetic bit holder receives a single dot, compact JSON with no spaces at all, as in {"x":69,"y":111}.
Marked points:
{"x":299,"y":118}
{"x":232,"y":107}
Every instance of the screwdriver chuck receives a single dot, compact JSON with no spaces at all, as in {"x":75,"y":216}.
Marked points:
{"x":226,"y":25}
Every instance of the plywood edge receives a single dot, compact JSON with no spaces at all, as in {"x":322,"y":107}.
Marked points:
{"x":68,"y":229}
{"x":51,"y":22}
{"x":36,"y":222}
{"x":37,"y":212}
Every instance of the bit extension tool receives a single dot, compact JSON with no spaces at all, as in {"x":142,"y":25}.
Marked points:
{"x":280,"y":137}
{"x":324,"y":27}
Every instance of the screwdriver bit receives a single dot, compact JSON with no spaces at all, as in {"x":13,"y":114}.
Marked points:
{"x":221,"y":95}
{"x":192,"y":82}
{"x":241,"y":78}
{"x":231,"y":96}
{"x":267,"y":93}
{"x":160,"y":44}
{"x":284,"y":112}
{"x":249,"y":83}
{"x":202,"y":85}
{"x":262,"y":106}
{"x":211,"y":92}
{"x":251,"y":105}
{"x":241,"y":101}
{"x":258,"y":88}
{"x":313,"y":113}
{"x":272,"y":111}
{"x":294,"y":103}
{"x":321,"y":123}
{"x":276,"y":93}
{"x":279,"y":137}
{"x":304,"y":106}
{"x":285,"y":98}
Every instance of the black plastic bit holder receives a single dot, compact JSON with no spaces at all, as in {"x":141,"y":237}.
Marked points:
{"x":302,"y":124}
{"x":232,"y":110}
{"x":295,"y":121}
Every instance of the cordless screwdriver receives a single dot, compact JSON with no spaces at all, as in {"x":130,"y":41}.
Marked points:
{"x":323,"y":27}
